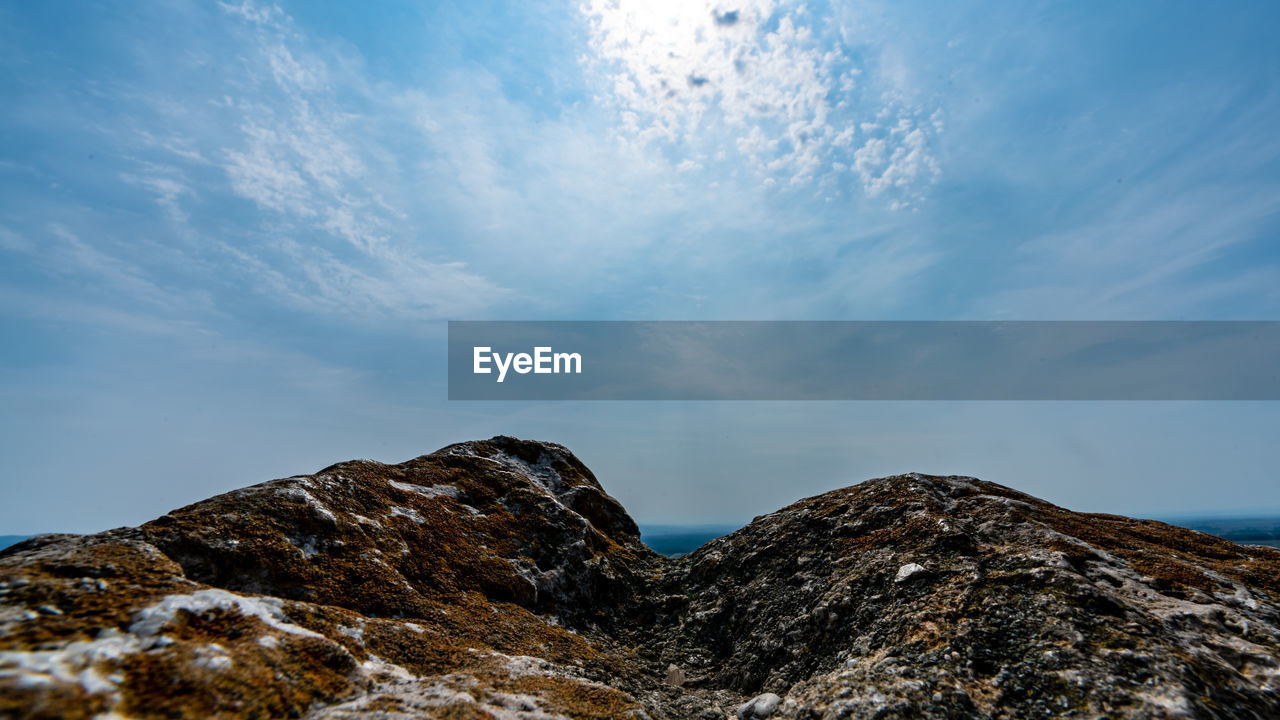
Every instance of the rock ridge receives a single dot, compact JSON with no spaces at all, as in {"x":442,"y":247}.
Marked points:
{"x":498,"y":579}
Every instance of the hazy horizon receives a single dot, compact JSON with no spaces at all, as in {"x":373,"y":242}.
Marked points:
{"x":672,"y":522}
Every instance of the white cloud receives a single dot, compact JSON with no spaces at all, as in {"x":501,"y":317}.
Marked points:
{"x":898,"y":159}
{"x":253,"y":12}
{"x":167,"y":185}
{"x":262,"y":173}
{"x":696,"y":77}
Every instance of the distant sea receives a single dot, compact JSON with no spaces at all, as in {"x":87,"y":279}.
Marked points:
{"x":676,"y":540}
{"x":1244,"y":530}
{"x":7,"y":540}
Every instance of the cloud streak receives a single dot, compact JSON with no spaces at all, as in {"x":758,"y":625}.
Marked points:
{"x":302,"y":158}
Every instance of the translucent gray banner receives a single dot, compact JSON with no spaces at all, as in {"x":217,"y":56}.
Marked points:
{"x":775,"y":360}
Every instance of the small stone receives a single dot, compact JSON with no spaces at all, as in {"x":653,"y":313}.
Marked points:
{"x":759,"y":707}
{"x":906,"y":571}
{"x":675,"y":676}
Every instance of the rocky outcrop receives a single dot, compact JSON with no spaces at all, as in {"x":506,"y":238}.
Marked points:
{"x":504,"y":520}
{"x":497,"y":579}
{"x":950,"y":597}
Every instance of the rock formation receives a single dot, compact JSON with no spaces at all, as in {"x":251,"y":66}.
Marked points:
{"x":497,"y":579}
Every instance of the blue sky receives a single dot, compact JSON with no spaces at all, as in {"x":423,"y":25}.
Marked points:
{"x":230,"y":234}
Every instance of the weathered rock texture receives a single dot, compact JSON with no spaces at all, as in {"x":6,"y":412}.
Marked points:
{"x":497,"y":579}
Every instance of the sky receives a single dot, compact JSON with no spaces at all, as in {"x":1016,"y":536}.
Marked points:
{"x":231,"y":233}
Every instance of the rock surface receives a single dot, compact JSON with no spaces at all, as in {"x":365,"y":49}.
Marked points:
{"x":760,"y":707}
{"x":497,"y":579}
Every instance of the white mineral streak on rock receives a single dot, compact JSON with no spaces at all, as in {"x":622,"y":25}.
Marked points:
{"x":309,"y":499}
{"x":441,"y":490}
